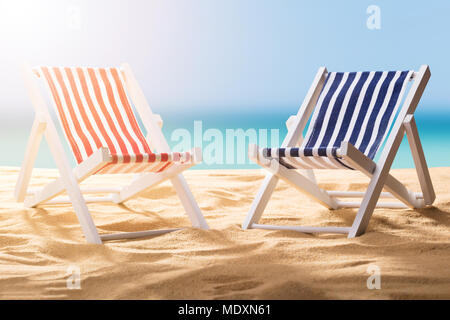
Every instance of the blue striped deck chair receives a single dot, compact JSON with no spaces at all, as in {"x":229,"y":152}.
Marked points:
{"x":354,"y":114}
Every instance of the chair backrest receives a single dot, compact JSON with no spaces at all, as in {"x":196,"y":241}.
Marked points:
{"x":357,"y":107}
{"x":94,"y":111}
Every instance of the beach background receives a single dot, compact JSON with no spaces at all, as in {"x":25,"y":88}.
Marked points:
{"x":230,"y":64}
{"x":433,"y":130}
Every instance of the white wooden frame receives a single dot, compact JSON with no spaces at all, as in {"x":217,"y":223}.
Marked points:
{"x":69,"y":179}
{"x":377,"y":172}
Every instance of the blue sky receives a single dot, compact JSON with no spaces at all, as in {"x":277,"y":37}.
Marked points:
{"x":225,"y":55}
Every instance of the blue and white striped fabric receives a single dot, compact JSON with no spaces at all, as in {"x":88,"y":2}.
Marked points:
{"x":357,"y":107}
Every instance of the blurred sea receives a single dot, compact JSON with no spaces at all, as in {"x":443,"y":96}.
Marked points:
{"x":434,"y":130}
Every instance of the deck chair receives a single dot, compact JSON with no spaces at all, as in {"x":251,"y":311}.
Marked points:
{"x":353,"y":114}
{"x":97,"y":119}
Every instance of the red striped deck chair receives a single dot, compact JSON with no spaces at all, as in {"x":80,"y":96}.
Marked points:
{"x":99,"y":123}
{"x":353,"y":114}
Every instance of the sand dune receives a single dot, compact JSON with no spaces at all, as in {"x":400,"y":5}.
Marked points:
{"x":411,"y":247}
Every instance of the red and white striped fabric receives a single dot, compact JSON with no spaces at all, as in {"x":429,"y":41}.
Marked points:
{"x":95,"y":112}
{"x":153,"y":162}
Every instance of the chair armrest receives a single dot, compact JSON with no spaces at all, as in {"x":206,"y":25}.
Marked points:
{"x":355,"y":158}
{"x":290,"y":122}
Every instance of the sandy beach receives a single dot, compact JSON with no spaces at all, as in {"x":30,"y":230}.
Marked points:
{"x":411,"y":247}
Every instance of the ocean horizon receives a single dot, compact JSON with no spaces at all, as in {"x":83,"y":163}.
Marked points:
{"x":268,"y":124}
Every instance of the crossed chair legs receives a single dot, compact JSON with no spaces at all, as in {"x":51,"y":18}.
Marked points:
{"x":379,"y":179}
{"x":70,"y":179}
{"x":378,"y":173}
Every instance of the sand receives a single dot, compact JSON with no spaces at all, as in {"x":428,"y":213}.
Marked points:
{"x":411,"y":248}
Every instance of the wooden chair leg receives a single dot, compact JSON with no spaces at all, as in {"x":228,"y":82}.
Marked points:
{"x":70,"y":183}
{"x":367,"y":166}
{"x":81,"y":209}
{"x":419,"y":160}
{"x":367,"y":207}
{"x":380,"y":175}
{"x":187,"y":200}
{"x":37,"y":132}
{"x":261,"y":200}
{"x":81,"y":172}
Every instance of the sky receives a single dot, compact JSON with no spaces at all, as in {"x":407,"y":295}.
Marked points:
{"x":223,"y":55}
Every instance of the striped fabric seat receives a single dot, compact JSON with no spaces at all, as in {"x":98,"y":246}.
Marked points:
{"x":357,"y":107}
{"x":95,"y":112}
